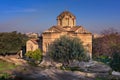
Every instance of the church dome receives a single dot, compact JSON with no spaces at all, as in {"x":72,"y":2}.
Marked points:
{"x":66,"y":19}
{"x":66,"y":13}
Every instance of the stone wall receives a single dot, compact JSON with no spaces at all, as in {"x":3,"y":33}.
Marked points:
{"x":30,"y":46}
{"x":85,"y":38}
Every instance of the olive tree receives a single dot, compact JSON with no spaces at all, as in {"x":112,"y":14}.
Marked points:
{"x":66,"y":49}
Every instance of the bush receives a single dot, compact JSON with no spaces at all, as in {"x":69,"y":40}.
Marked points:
{"x":66,"y":49}
{"x":35,"y":55}
{"x":104,"y":59}
{"x":115,"y":63}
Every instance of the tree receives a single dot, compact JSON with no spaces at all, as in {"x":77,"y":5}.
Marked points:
{"x":107,"y":48}
{"x":105,"y":45}
{"x":66,"y":49}
{"x":11,"y":42}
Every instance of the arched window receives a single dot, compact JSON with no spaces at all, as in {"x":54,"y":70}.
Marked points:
{"x":60,"y":22}
{"x":73,"y":21}
{"x":68,"y":21}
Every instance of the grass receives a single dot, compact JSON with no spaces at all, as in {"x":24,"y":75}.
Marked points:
{"x":6,"y":66}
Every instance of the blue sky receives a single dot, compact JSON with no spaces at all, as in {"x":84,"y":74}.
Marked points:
{"x":39,"y":15}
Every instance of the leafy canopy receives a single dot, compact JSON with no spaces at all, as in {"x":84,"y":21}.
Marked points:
{"x":11,"y":42}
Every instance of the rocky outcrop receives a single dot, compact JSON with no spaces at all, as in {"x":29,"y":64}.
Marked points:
{"x":90,"y":70}
{"x":92,"y":66}
{"x":114,"y":73}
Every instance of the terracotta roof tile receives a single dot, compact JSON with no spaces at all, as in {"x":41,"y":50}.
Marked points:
{"x":55,"y":29}
{"x":76,"y":29}
{"x":65,"y":13}
{"x":35,"y":41}
{"x":81,"y":29}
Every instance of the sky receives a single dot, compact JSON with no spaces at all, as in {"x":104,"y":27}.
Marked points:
{"x":39,"y":15}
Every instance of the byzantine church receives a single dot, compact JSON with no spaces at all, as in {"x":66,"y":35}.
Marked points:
{"x":66,"y":25}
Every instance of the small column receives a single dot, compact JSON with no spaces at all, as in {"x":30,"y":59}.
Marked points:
{"x":58,"y":22}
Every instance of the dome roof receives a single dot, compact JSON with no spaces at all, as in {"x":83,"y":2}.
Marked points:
{"x":64,"y":13}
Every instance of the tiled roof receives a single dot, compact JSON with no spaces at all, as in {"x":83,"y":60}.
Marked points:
{"x":76,"y":29}
{"x":35,"y":41}
{"x":55,"y":29}
{"x":65,"y":13}
{"x":79,"y":29}
{"x":60,"y":28}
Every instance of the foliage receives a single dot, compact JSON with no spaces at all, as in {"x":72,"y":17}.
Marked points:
{"x":11,"y":42}
{"x":104,"y":59}
{"x":105,"y":45}
{"x":36,"y":55}
{"x":115,"y":63}
{"x":107,"y":48}
{"x":66,"y":49}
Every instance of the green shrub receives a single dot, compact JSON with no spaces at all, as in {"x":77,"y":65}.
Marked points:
{"x":66,"y":49}
{"x":35,"y":55}
{"x":115,"y":63}
{"x":104,"y":59}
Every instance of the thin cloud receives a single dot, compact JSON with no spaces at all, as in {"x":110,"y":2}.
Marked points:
{"x":20,"y":11}
{"x":21,"y":24}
